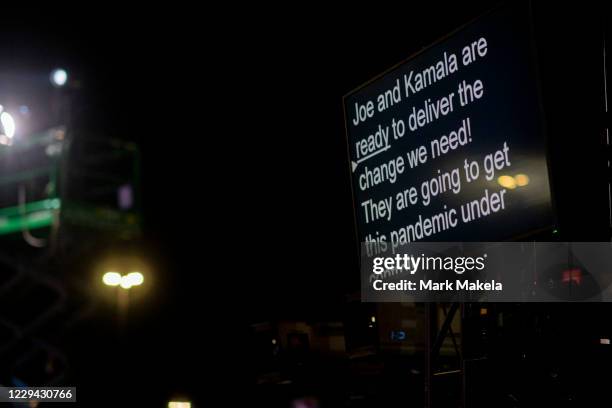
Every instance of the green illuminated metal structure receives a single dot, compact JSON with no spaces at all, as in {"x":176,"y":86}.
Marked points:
{"x":62,"y":198}
{"x":33,"y":215}
{"x":50,"y":179}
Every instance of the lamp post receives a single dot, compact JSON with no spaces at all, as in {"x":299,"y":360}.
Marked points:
{"x":123,"y":285}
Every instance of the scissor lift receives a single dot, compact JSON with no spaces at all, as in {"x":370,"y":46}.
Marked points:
{"x":59,"y":196}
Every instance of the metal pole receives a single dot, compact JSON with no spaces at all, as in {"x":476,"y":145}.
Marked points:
{"x":430,"y":335}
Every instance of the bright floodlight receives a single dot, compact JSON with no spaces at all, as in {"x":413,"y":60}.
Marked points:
{"x":126,"y":282}
{"x":59,"y":77}
{"x":111,"y":278}
{"x":8,"y":124}
{"x":135,"y":278}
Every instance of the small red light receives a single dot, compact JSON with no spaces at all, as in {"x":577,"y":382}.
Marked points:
{"x":572,"y":275}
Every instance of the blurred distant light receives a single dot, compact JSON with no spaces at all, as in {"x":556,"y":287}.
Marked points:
{"x":507,"y":182}
{"x":112,"y":278}
{"x":305,"y":403}
{"x":135,"y":278}
{"x":53,"y":149}
{"x":8,"y":124}
{"x":125,"y":282}
{"x":572,"y":275}
{"x":125,"y":197}
{"x":521,"y":180}
{"x":274,"y":341}
{"x":5,"y":140}
{"x":604,"y":341}
{"x":59,"y":77}
{"x":373,"y":319}
{"x":179,"y":404}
